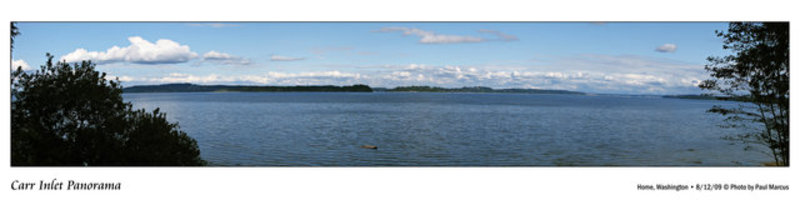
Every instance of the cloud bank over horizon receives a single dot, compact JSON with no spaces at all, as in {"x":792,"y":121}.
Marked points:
{"x":589,"y":73}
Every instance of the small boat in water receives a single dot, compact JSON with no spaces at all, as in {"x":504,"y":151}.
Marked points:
{"x":369,"y":146}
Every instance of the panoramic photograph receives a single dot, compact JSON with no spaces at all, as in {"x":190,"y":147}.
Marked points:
{"x":414,"y":94}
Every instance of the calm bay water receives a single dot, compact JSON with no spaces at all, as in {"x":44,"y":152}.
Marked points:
{"x":449,"y":129}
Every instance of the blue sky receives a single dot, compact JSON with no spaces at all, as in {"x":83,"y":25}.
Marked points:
{"x":627,"y":58}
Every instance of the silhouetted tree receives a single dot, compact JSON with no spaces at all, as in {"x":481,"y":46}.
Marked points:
{"x":66,"y":114}
{"x":759,"y":72}
{"x":14,"y":33}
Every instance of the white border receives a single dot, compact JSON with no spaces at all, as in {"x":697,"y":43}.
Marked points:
{"x":393,"y":183}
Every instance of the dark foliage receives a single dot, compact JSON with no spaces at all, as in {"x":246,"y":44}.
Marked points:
{"x":14,"y":33}
{"x":709,"y":97}
{"x":759,"y":72}
{"x":70,"y":115}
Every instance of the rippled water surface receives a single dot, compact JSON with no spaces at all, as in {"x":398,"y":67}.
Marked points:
{"x":435,"y":129}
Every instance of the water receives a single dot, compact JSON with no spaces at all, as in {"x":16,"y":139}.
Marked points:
{"x":450,"y":129}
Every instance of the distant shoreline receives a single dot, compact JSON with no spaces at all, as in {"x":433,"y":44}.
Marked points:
{"x":188,"y":87}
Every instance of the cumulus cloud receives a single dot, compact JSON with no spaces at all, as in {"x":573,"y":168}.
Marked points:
{"x":598,"y":80}
{"x":224,"y":59}
{"x":667,"y":48}
{"x":500,"y":35}
{"x":595,"y":73}
{"x":140,"y":51}
{"x":214,"y":25}
{"x":20,"y":63}
{"x":429,"y":37}
{"x":120,"y":78}
{"x":285,"y":58}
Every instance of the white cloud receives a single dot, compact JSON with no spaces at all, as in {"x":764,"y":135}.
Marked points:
{"x":500,"y":35}
{"x":224,"y":58}
{"x":429,"y":37}
{"x":268,"y":78}
{"x":20,"y":63}
{"x":120,"y":78}
{"x":140,"y":51}
{"x":588,"y":73}
{"x":667,"y":48}
{"x":187,"y":78}
{"x":285,"y":58}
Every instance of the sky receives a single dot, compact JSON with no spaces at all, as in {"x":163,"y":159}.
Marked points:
{"x":615,"y":58}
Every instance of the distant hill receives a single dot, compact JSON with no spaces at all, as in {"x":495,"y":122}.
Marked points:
{"x":187,"y":87}
{"x":478,"y":90}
